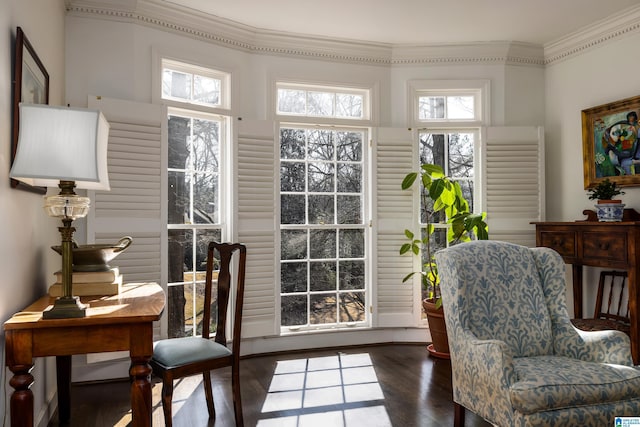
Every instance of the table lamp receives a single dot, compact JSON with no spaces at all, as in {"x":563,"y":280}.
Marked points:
{"x":65,"y":148}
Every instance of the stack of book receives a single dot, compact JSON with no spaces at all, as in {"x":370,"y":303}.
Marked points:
{"x":85,"y":283}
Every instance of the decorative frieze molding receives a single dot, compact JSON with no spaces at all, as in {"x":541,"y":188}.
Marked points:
{"x":223,"y":32}
{"x":620,"y":25}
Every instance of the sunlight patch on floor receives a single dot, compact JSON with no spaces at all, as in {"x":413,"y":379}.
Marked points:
{"x":340,"y":391}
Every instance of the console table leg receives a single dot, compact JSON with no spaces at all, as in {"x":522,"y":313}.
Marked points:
{"x":63,"y":375}
{"x":140,"y":374}
{"x":22,"y":398}
{"x":577,"y":291}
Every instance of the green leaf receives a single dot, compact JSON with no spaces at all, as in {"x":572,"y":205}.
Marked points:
{"x":408,"y":233}
{"x":409,"y":180}
{"x":436,"y":188}
{"x":434,"y":170}
{"x":405,"y":248}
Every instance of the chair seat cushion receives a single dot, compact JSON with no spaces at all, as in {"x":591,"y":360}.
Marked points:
{"x":553,"y":382}
{"x":181,"y":351}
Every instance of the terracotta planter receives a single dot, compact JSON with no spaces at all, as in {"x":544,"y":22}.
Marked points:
{"x":435,"y":316}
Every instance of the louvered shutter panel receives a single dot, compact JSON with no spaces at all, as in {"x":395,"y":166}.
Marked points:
{"x":394,"y":212}
{"x":513,"y":187}
{"x":256,"y":219}
{"x":133,"y":207}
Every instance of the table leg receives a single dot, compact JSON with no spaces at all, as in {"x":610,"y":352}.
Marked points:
{"x":63,"y":375}
{"x":140,"y":374}
{"x":22,"y":397}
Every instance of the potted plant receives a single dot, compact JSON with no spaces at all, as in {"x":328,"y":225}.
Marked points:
{"x":442,"y":200}
{"x":608,"y":209}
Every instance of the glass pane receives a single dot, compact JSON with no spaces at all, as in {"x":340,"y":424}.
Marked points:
{"x":189,"y":315}
{"x":349,"y":146}
{"x":320,"y":103}
{"x":461,"y":155}
{"x":203,"y":237}
{"x":438,"y":241}
{"x":293,"y":244}
{"x":321,"y":210}
{"x":292,"y":143}
{"x":467,"y":191}
{"x":320,"y":145}
{"x":205,"y":153}
{"x":352,"y":307}
{"x":176,"y":303}
{"x":349,"y":210}
{"x":293,"y":310}
{"x":323,"y":309}
{"x":348,"y":105}
{"x":291,"y":101}
{"x":322,"y":244}
{"x":460,"y":107}
{"x":321,"y":177}
{"x":180,"y":257}
{"x":349,"y":178}
{"x":432,"y":148}
{"x":176,"y":84}
{"x":293,"y":277}
{"x":197,"y":311}
{"x":352,"y":243}
{"x":292,"y":176}
{"x":206,"y":90}
{"x":292,"y":209}
{"x":351,"y":275}
{"x":205,"y":198}
{"x":322,"y":276}
{"x":178,"y":198}
{"x":179,"y":130}
{"x":431,"y":107}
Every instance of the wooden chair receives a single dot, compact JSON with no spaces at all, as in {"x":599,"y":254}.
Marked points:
{"x":176,"y":358}
{"x":612,"y":305}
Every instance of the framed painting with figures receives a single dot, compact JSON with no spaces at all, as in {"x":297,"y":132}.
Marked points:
{"x":30,"y":85}
{"x":610,"y":143}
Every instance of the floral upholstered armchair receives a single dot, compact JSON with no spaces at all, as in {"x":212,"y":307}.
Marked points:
{"x":516,"y":359}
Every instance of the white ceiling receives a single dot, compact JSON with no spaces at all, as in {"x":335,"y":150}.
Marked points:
{"x":418,"y":21}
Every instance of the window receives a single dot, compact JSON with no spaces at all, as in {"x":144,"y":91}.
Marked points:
{"x":449,"y":115}
{"x":322,"y":102}
{"x":323,"y":237}
{"x":196,"y":176}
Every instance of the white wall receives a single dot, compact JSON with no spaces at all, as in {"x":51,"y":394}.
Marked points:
{"x":26,"y":261}
{"x":596,"y":77}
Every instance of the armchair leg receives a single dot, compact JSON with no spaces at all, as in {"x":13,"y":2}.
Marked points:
{"x":458,"y":415}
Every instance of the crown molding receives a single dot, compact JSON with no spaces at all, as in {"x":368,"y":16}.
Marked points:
{"x":622,"y":24}
{"x":187,"y":22}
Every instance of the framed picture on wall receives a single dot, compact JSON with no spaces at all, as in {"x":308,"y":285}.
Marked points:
{"x":610,"y":143}
{"x":30,"y":85}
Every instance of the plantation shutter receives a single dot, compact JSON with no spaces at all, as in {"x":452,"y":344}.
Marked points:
{"x":394,"y":212}
{"x":134,"y":206}
{"x":257,"y":214}
{"x":513,"y":182}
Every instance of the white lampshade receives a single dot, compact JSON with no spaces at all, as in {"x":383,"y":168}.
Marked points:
{"x":61,"y":144}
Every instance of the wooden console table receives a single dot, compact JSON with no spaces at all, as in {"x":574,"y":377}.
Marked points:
{"x":612,"y":245}
{"x":117,"y":323}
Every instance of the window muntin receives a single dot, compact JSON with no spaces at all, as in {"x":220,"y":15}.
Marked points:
{"x":298,"y":100}
{"x":322,"y":228}
{"x":196,"y":171}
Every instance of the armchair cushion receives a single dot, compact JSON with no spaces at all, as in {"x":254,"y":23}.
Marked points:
{"x":550,"y":382}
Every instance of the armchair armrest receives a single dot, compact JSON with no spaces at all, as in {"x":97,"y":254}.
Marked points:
{"x":483,"y":368}
{"x":593,"y":346}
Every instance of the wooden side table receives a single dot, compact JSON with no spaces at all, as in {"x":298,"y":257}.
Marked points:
{"x":611,"y":245}
{"x":116,"y":323}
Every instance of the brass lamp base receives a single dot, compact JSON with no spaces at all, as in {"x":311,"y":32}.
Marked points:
{"x":64,"y":308}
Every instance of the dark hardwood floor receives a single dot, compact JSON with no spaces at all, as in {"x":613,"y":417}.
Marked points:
{"x":382,"y":385}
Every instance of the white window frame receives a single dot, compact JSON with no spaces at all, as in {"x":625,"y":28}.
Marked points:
{"x":480,"y":90}
{"x":364,"y":124}
{"x":223,"y":113}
